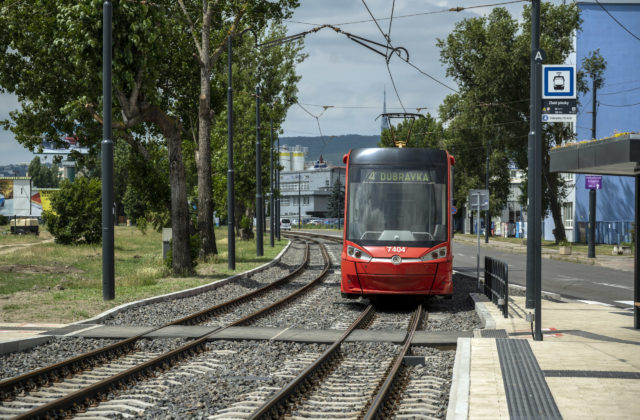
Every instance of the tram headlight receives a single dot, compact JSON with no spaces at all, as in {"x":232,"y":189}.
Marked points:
{"x":435,"y":254}
{"x":358,"y":253}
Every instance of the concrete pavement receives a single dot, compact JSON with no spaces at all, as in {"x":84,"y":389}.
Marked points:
{"x":589,"y":360}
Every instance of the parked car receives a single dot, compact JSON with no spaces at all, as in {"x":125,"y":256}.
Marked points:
{"x":285,"y":224}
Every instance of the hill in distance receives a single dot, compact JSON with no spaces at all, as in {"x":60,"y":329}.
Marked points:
{"x":332,"y":148}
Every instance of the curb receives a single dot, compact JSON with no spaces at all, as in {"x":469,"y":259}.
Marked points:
{"x":183,"y":293}
{"x":22,"y":344}
{"x":458,"y":408}
{"x":488,"y":323}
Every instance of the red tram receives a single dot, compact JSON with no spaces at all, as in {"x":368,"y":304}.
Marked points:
{"x":397,"y":236}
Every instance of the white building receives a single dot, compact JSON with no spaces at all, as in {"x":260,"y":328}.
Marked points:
{"x":305,"y":187}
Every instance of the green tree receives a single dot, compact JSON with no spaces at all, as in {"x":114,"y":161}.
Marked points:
{"x":210,"y":34}
{"x":51,"y":58}
{"x":489,"y":58}
{"x":594,"y":66}
{"x":274,"y":70}
{"x":425,"y":132}
{"x":336,"y":200}
{"x":76,"y":215}
{"x":43,"y":176}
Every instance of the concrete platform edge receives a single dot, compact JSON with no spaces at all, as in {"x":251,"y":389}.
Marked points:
{"x":458,"y":408}
{"x":22,"y":344}
{"x":485,"y":316}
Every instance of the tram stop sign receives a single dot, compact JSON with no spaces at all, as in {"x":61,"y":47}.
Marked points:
{"x":479,"y":198}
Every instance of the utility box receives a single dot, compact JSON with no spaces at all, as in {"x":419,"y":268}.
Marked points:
{"x":167,"y":235}
{"x":24,"y":225}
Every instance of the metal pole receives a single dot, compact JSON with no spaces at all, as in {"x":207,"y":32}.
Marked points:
{"x":478,"y":235}
{"x":259,"y":204}
{"x":487,"y":221}
{"x":537,"y":201}
{"x":108,"y":280}
{"x":591,"y":253}
{"x":231,"y":238}
{"x":531,"y":180}
{"x":299,"y":203}
{"x":278,"y":190}
{"x":272,"y":205}
{"x":592,"y":224}
{"x":636,"y":257}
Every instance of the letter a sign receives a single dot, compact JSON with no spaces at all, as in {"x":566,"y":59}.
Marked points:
{"x":539,"y":55}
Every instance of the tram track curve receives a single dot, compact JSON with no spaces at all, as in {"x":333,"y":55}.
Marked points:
{"x":80,"y":400}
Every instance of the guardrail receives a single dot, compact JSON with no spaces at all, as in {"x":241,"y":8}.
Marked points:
{"x":496,"y":283}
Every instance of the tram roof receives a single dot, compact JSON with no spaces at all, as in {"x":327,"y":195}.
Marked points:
{"x":397,"y":156}
{"x":617,"y":155}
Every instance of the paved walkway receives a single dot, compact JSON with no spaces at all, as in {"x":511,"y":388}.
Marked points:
{"x":620,"y":262}
{"x":589,"y":358}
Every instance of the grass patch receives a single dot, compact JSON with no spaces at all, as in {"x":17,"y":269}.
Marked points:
{"x":63,"y":283}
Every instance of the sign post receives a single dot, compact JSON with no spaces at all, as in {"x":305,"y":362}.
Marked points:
{"x":479,"y":200}
{"x":592,"y":183}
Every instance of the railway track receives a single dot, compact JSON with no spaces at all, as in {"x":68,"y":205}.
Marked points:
{"x":364,"y":379}
{"x":72,"y":386}
{"x":336,"y":384}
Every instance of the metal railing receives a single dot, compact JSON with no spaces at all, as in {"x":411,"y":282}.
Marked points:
{"x":496,"y":283}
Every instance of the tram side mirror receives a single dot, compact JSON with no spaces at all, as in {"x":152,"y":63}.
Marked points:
{"x":345,"y":157}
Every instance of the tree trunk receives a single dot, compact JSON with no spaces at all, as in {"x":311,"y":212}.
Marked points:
{"x":205,"y":189}
{"x":179,"y":208}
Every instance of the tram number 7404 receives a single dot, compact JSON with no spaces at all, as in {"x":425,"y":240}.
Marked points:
{"x":396,"y":249}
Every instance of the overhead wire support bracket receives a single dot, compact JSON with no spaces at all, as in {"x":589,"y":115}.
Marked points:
{"x":355,"y":38}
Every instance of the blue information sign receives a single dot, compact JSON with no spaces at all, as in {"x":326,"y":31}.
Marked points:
{"x":558,"y":81}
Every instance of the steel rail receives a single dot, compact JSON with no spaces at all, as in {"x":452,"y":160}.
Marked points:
{"x":273,"y":407}
{"x":378,"y":402}
{"x":33,"y":380}
{"x":286,"y":299}
{"x":201,"y":316}
{"x":78,"y":401}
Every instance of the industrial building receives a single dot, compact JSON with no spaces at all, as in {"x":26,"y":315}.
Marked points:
{"x":305,"y":186}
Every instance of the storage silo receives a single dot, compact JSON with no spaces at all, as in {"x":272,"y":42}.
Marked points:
{"x":285,"y":159}
{"x":298,"y":159}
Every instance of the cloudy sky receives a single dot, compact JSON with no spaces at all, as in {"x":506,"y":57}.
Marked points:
{"x":347,"y":76}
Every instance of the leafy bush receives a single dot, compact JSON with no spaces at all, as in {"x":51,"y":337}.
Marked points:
{"x":141,"y":224}
{"x":76,"y":215}
{"x":194,"y":248}
{"x":4,"y":220}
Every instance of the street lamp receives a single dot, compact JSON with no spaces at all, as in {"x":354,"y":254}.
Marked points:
{"x":230,"y":171}
{"x":108,"y":282}
{"x":272,"y":205}
{"x":259,"y":205}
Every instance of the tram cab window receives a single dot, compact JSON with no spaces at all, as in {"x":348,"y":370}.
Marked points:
{"x":397,"y":205}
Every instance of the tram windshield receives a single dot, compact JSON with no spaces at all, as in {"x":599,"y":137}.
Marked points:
{"x":400,"y":205}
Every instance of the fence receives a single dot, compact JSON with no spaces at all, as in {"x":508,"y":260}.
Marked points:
{"x":607,"y":232}
{"x":496,"y":283}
